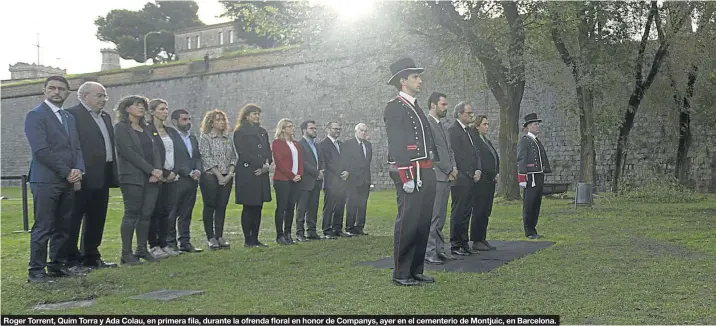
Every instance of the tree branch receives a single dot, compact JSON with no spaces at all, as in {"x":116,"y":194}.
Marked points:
{"x":642,"y":48}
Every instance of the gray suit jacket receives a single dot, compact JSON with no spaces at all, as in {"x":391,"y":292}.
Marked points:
{"x":442,"y":143}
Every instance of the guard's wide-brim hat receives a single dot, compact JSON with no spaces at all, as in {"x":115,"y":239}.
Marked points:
{"x":403,"y":67}
{"x":530,"y":118}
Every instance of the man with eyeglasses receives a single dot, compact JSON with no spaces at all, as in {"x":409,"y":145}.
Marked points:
{"x":334,"y":185}
{"x":310,"y":184}
{"x":462,"y":139}
{"x":94,"y":127}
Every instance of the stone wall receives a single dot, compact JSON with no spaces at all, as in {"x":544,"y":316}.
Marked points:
{"x":343,"y":78}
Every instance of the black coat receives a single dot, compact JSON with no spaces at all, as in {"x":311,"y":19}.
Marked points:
{"x":133,"y":168}
{"x":531,"y":156}
{"x":489,"y":159}
{"x":333,"y":164}
{"x":161,"y":151}
{"x":93,"y":149}
{"x":357,"y":165}
{"x":253,"y":150}
{"x":466,"y":155}
{"x":310,"y":166}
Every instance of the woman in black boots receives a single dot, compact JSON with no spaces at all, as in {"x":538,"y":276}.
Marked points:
{"x":139,"y":170}
{"x":253,"y":187}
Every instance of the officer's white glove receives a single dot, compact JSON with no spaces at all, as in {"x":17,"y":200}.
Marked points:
{"x":409,"y":186}
{"x":523,"y":184}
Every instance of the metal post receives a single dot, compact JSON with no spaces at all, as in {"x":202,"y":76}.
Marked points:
{"x":25,"y":219}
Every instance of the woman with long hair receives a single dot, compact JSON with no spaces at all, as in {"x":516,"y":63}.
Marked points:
{"x":167,"y":140}
{"x":219,"y":156}
{"x":289,"y":169}
{"x":253,"y":187}
{"x":139,"y":170}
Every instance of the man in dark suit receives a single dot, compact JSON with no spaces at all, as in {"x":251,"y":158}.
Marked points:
{"x":357,"y":155}
{"x":310,"y":184}
{"x":188,"y":164}
{"x":96,"y":135}
{"x":411,"y":151}
{"x":334,"y":185}
{"x":485,"y":187}
{"x":57,"y":166}
{"x":445,"y":173}
{"x":532,"y":164}
{"x":463,"y":188}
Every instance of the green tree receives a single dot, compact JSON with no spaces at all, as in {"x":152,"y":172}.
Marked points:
{"x":273,"y":23}
{"x":127,"y":28}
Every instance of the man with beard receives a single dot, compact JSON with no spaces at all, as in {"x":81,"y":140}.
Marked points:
{"x":445,"y":172}
{"x":56,"y":168}
{"x":189,"y":166}
{"x":334,"y":186}
{"x":411,"y":151}
{"x":96,"y":135}
{"x":310,"y":184}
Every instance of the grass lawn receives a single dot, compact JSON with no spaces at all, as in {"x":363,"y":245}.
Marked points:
{"x":620,"y":262}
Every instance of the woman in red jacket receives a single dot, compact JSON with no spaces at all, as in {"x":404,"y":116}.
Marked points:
{"x":289,"y":168}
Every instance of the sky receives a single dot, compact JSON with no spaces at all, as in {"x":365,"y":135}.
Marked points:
{"x":67,"y":31}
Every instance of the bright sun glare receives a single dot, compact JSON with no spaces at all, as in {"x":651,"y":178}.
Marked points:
{"x":350,"y":10}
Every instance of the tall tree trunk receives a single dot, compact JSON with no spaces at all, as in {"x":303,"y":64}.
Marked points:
{"x":640,"y":87}
{"x":681,"y":170}
{"x":587,"y":151}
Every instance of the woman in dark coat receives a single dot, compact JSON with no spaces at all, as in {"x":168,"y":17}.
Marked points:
{"x":140,"y":171}
{"x":253,"y":187}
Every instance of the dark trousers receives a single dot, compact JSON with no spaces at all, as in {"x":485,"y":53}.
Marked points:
{"x":216,"y":197}
{"x":484,"y":196}
{"x":307,"y":210}
{"x":180,"y":216}
{"x":412,"y":225}
{"x":286,"y":196}
{"x":139,"y":204}
{"x":159,"y":222}
{"x":532,"y":201}
{"x":356,"y":206}
{"x":463,"y":199}
{"x":251,"y":223}
{"x":334,"y":203}
{"x":53,"y":211}
{"x":88,"y":216}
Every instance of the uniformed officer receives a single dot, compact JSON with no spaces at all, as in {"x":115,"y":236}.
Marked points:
{"x":411,"y":151}
{"x":532,"y":164}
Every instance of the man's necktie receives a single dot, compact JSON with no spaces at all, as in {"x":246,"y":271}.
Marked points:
{"x":64,"y":121}
{"x":338,"y":147}
{"x":468,"y":135}
{"x":362,"y":144}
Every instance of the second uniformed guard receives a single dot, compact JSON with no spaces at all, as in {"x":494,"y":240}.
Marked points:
{"x":532,"y":164}
{"x":411,"y":151}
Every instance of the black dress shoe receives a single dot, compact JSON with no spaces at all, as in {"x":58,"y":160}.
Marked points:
{"x":488,"y":245}
{"x":289,"y":239}
{"x":534,"y":236}
{"x":424,"y":278}
{"x":313,"y":236}
{"x":260,"y":244}
{"x":470,"y":250}
{"x":479,"y":246}
{"x":189,"y":248}
{"x":344,"y":234}
{"x":448,"y":256}
{"x":329,"y":236}
{"x":405,"y":282}
{"x":301,"y":238}
{"x":460,"y":252}
{"x":98,"y":263}
{"x":39,"y":278}
{"x":282,"y":241}
{"x":433,"y":260}
{"x":146,"y":256}
{"x":63,"y":271}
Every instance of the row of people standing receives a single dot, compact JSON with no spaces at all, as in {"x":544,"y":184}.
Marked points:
{"x":78,"y":155}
